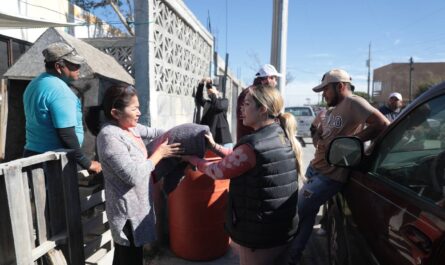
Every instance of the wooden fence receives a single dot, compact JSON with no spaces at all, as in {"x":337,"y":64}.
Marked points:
{"x":45,"y":213}
{"x":3,"y":116}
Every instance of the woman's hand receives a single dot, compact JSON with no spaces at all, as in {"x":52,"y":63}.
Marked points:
{"x":212,"y":91}
{"x":169,"y":150}
{"x":166,"y":150}
{"x":210,"y":142}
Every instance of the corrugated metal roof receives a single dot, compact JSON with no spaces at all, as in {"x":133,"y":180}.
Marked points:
{"x":32,"y":64}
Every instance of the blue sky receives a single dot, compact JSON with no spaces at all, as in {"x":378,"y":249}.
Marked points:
{"x":326,"y":34}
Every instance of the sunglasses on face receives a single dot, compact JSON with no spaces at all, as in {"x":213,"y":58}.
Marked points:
{"x":71,"y":66}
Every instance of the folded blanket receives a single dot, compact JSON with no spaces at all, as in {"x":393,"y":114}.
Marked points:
{"x":192,"y":140}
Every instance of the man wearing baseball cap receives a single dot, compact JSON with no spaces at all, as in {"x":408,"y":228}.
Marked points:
{"x":53,"y":112}
{"x":392,"y":107}
{"x":347,"y":115}
{"x":266,"y":75}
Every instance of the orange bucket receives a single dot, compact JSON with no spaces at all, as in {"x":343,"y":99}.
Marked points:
{"x":196,"y":210}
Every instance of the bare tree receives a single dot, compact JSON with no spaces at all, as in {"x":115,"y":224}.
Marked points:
{"x":256,"y":63}
{"x":124,"y":12}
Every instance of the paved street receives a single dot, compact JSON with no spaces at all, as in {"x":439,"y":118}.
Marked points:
{"x":315,"y":253}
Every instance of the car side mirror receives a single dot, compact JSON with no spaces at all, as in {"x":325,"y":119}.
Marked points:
{"x":345,"y":152}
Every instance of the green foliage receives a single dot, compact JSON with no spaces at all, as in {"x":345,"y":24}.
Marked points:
{"x":424,"y":87}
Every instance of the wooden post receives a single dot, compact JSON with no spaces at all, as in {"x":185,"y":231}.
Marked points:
{"x":19,"y":218}
{"x":72,"y":209}
{"x":3,"y":116}
{"x":7,"y":253}
{"x":39,"y":193}
{"x":53,"y":173}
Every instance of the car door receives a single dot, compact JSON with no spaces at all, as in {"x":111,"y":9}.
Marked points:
{"x":399,"y":204}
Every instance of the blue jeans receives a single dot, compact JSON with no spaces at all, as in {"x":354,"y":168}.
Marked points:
{"x":317,"y":190}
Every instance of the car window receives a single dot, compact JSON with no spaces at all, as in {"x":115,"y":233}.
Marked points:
{"x":300,"y":111}
{"x":412,"y":154}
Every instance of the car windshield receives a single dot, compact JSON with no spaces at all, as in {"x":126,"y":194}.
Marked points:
{"x":300,"y":111}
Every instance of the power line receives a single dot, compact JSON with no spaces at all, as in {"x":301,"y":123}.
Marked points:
{"x":227,"y":24}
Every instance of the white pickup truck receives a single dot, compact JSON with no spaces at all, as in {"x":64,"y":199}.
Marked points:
{"x":304,"y":115}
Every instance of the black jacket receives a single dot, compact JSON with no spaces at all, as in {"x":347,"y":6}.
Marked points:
{"x":214,"y":115}
{"x":262,"y":208}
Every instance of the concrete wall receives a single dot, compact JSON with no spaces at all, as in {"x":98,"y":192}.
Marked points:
{"x":181,"y":56}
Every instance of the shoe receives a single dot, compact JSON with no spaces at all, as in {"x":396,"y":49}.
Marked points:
{"x":320,"y":232}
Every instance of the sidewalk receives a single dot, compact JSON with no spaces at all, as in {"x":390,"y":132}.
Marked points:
{"x":166,"y":257}
{"x":315,"y":254}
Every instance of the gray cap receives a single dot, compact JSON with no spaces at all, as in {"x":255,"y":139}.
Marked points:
{"x":61,"y":50}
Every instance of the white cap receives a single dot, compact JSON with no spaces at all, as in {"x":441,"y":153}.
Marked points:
{"x":267,"y":70}
{"x":395,"y":95}
{"x":334,"y":76}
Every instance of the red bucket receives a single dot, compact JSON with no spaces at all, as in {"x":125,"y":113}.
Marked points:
{"x":196,"y":211}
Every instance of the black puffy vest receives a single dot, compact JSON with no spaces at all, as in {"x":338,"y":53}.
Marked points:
{"x":262,"y":208}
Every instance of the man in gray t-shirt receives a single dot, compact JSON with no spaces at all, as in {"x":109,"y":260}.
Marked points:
{"x":347,"y":115}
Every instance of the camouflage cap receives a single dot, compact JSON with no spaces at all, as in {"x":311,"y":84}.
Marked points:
{"x":61,"y":50}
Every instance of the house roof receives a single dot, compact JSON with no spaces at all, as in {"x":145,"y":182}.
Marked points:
{"x":10,"y":21}
{"x":31,"y":63}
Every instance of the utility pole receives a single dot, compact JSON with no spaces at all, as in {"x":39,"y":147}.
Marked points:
{"x":224,"y":81}
{"x":368,"y":63}
{"x":143,"y":49}
{"x":411,"y":68}
{"x":279,"y":40}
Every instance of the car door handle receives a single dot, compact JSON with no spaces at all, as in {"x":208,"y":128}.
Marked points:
{"x":418,"y":238}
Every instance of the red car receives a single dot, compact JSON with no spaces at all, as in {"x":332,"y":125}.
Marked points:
{"x":392,"y":210}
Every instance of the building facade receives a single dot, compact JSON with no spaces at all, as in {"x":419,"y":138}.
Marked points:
{"x":395,"y":77}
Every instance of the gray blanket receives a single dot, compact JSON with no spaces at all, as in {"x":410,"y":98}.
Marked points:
{"x":192,"y":140}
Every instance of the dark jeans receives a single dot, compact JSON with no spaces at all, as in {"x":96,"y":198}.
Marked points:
{"x":127,"y":255}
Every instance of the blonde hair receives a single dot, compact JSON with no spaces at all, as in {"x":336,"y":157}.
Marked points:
{"x":270,"y":98}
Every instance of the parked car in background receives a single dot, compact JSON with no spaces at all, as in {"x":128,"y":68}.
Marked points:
{"x":304,"y":115}
{"x":392,"y":210}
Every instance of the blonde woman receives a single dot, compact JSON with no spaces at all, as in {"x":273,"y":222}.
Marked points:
{"x":263,"y":169}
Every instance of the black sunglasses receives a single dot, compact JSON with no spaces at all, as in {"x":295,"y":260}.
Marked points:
{"x":71,"y":66}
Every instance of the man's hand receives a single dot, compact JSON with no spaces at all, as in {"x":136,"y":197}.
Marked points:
{"x":376,"y":123}
{"x":95,"y":167}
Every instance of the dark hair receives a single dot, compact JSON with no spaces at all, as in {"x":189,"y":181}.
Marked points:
{"x":117,"y":97}
{"x":52,"y":65}
{"x":257,"y":81}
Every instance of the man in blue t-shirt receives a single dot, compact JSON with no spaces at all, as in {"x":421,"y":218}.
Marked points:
{"x":53,"y":112}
